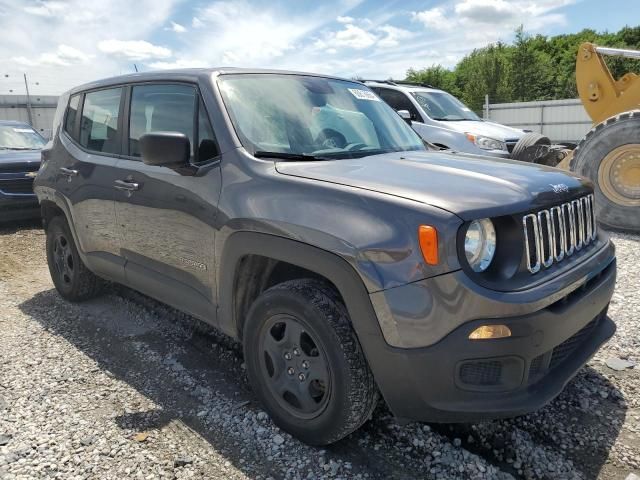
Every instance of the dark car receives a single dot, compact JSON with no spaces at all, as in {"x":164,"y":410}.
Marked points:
{"x":458,"y":287}
{"x":20,"y":147}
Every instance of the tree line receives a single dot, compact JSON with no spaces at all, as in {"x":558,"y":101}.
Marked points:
{"x":531,"y":68}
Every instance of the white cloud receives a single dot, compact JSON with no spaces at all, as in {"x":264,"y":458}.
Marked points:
{"x":354,"y":37}
{"x":180,"y":63}
{"x":64,"y":56}
{"x":46,"y":8}
{"x":234,"y":31}
{"x":133,"y":49}
{"x":345,"y":20}
{"x":393,"y":36}
{"x":56,"y":40}
{"x":177,"y":28}
{"x":486,"y":11}
{"x":432,"y":18}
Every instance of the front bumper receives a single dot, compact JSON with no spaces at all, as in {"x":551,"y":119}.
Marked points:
{"x":459,"y":380}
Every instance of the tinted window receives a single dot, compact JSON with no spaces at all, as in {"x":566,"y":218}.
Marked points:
{"x":161,"y":108}
{"x":99,"y":126}
{"x":398,"y":101}
{"x":207,"y":146}
{"x":72,"y":114}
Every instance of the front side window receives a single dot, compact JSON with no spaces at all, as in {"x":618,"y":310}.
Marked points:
{"x":20,"y":137}
{"x":443,"y":106}
{"x":399,"y":101}
{"x":297,"y":114}
{"x":161,"y":108}
{"x":72,"y":114}
{"x":99,"y":124}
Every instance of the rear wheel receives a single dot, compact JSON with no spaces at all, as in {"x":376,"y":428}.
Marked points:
{"x":609,"y":156}
{"x":305,"y":363}
{"x":70,"y":276}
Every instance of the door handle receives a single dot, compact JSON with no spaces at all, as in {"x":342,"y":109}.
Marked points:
{"x":126,"y":186}
{"x":67,"y":172}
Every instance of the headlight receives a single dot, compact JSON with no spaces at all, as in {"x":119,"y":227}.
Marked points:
{"x":480,"y":244}
{"x":487,"y":143}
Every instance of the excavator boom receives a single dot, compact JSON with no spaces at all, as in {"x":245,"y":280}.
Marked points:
{"x":602,"y":95}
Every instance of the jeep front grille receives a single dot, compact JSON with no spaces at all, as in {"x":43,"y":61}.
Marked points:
{"x":558,"y":232}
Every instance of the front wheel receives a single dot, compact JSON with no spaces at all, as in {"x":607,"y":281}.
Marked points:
{"x":305,"y":363}
{"x":609,"y":155}
{"x":70,"y":276}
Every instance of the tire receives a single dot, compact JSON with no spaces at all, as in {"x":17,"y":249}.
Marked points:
{"x":302,"y":321}
{"x":609,"y":150}
{"x":70,"y":276}
{"x":528,"y":140}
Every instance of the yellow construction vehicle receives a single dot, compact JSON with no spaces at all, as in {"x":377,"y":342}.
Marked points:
{"x":610,"y":153}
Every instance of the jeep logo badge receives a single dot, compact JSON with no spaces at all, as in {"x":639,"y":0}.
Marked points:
{"x":559,"y":188}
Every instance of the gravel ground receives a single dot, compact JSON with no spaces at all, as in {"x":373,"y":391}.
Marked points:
{"x":125,"y":387}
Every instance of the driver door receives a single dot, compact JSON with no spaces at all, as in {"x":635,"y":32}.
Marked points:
{"x":166,"y":216}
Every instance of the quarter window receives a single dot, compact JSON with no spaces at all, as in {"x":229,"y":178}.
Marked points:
{"x":99,"y":125}
{"x":161,"y":108}
{"x":72,"y":114}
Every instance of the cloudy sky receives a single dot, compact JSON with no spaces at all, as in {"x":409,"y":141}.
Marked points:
{"x":60,"y":43}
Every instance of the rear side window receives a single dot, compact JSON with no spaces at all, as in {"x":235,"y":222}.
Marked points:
{"x":99,"y":124}
{"x":161,"y":108}
{"x":72,"y":115}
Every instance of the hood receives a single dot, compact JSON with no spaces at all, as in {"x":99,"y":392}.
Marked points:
{"x":487,"y":129}
{"x":471,"y":186}
{"x":19,"y":160}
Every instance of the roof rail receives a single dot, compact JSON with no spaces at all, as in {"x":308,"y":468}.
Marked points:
{"x":398,"y":82}
{"x":389,"y":81}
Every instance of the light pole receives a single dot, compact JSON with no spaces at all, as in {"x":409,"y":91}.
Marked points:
{"x":29,"y":113}
{"x":26,"y":86}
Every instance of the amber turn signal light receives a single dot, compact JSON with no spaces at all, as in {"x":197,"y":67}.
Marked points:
{"x":487,"y":332}
{"x":428,"y":238}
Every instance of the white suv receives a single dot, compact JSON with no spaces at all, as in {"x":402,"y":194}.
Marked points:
{"x":440,"y":118}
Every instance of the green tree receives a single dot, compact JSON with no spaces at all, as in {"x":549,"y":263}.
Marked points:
{"x":531,"y":68}
{"x":436,"y":75}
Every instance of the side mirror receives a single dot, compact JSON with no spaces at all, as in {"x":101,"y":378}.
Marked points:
{"x":165,"y":149}
{"x":405,"y":115}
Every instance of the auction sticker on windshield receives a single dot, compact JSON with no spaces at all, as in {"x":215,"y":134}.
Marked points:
{"x":363,"y":94}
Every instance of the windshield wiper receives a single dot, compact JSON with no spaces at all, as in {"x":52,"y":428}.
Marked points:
{"x":300,"y":157}
{"x":19,"y":148}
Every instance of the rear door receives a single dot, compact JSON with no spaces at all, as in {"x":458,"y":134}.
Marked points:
{"x":92,"y":141}
{"x":167,"y":217}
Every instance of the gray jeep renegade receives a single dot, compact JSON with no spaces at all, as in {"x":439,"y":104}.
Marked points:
{"x":300,"y":214}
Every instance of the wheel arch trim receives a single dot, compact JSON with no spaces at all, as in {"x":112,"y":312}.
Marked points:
{"x":329,"y":265}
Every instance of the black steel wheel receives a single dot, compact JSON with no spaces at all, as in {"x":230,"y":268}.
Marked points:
{"x":63,"y":258}
{"x":295,"y":366}
{"x":70,"y":276}
{"x":305,"y":363}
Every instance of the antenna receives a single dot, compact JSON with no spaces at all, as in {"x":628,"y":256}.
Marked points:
{"x":135,"y":67}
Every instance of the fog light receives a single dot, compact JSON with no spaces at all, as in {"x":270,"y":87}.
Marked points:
{"x":487,"y":332}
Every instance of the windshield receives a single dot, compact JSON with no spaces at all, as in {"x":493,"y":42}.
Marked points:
{"x":20,"y":137}
{"x":312,"y":117}
{"x":443,"y":106}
